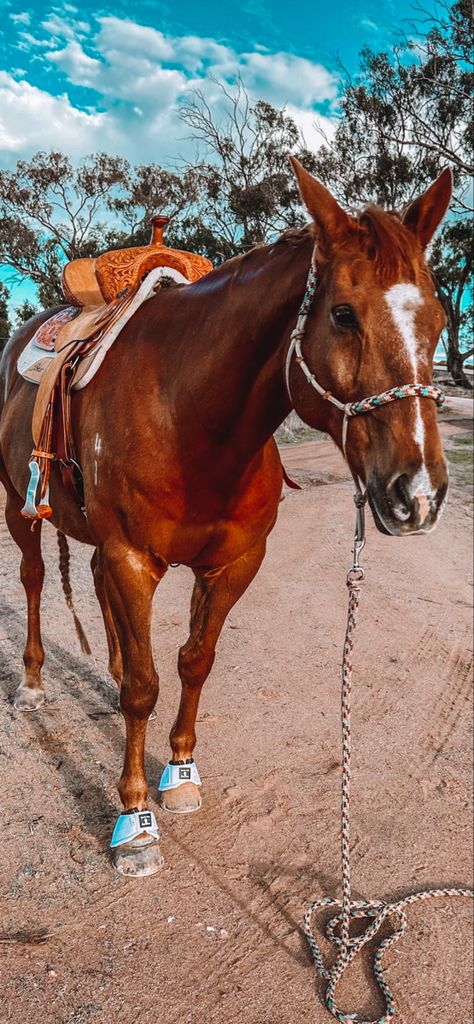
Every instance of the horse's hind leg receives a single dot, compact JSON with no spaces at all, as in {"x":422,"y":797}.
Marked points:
{"x":115,"y":657}
{"x":30,"y":693}
{"x":214,"y":595}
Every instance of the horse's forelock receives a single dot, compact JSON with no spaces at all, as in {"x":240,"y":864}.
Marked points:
{"x":394,"y":250}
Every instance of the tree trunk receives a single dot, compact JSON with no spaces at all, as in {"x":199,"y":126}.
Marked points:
{"x":455,"y":366}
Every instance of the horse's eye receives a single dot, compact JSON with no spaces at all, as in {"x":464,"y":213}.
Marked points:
{"x":344,"y":316}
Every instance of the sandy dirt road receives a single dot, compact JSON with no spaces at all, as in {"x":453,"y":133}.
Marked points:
{"x":216,"y":936}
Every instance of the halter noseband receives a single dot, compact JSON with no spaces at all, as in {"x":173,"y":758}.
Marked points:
{"x":349,"y":409}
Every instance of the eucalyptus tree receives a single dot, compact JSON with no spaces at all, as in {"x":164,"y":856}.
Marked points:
{"x":52,"y":212}
{"x":406,"y":115}
{"x":246,"y":191}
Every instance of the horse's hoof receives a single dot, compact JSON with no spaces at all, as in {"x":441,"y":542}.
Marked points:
{"x":139,"y":858}
{"x":182,"y":800}
{"x":28,"y":698}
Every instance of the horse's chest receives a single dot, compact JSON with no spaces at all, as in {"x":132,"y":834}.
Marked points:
{"x":215,"y":542}
{"x":196,"y":515}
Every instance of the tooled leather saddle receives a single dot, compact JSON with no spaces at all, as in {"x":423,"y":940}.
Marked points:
{"x":102,"y":294}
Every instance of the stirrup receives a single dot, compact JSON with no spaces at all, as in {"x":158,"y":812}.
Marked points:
{"x":29,"y":510}
{"x":177,"y":772}
{"x":131,"y":824}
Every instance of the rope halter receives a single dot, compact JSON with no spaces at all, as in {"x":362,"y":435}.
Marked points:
{"x":348,"y":409}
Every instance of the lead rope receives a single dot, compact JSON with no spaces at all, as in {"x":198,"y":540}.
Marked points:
{"x":377,"y":911}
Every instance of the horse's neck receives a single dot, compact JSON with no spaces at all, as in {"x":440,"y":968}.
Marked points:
{"x":237,"y":364}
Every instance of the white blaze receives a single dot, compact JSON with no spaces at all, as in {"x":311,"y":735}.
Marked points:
{"x":403,"y":300}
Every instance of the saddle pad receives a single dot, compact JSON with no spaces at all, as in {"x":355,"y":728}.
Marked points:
{"x":35,"y":358}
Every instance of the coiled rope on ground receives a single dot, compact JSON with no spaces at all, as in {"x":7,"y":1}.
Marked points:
{"x":376,"y":911}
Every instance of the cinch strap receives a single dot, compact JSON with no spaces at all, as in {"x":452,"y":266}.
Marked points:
{"x":132,"y":824}
{"x":175,"y":774}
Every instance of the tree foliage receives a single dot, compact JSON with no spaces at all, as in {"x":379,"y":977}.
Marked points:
{"x":52,"y":212}
{"x":246,"y":191}
{"x":24,"y":312}
{"x":452,"y":266}
{"x":406,"y":115}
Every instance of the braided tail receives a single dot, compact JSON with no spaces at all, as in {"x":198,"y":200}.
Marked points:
{"x":64,"y":559}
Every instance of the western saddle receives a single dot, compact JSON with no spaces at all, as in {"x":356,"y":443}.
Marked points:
{"x":93,"y":282}
{"x":101,"y":289}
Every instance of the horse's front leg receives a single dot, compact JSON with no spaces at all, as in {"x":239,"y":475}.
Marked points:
{"x":214,"y":594}
{"x":130,"y":580}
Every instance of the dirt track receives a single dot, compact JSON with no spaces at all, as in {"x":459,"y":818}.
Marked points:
{"x":216,"y":936}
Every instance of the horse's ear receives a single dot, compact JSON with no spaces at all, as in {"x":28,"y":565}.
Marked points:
{"x":330,"y":219}
{"x":424,"y":214}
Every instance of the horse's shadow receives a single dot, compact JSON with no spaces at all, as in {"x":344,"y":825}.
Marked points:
{"x":94,"y":805}
{"x":100,"y":704}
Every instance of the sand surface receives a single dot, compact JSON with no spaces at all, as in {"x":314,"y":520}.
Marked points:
{"x":215,"y":937}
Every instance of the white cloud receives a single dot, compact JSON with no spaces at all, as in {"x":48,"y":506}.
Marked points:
{"x":128,"y":77}
{"x":20,"y":19}
{"x":139,"y":77}
{"x":369,"y":25}
{"x":204,"y":51}
{"x":282,"y":77}
{"x":142,"y":66}
{"x":76,"y":64}
{"x":27,"y":40}
{"x":314,"y":127}
{"x":116,"y":35}
{"x":63,"y":28}
{"x":31,"y":119}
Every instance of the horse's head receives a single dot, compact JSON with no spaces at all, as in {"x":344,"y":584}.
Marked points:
{"x":375,"y":325}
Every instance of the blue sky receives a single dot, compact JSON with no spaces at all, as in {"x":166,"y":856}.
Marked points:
{"x":112,"y":77}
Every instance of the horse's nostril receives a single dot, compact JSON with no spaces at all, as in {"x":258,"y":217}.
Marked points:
{"x":402,"y":492}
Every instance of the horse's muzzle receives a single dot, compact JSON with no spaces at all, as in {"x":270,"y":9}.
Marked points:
{"x":408,"y":502}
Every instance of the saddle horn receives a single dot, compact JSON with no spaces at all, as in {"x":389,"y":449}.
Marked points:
{"x":157,"y":231}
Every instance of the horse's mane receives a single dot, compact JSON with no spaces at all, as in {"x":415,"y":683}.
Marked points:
{"x":380,"y":235}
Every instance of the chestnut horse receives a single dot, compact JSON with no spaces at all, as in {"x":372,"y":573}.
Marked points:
{"x":175,"y":439}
